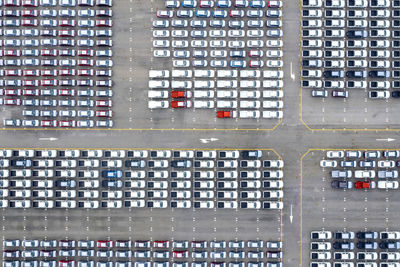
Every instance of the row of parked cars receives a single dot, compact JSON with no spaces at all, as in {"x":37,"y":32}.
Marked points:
{"x":100,"y":153}
{"x":221,"y":3}
{"x":178,"y":244}
{"x":54,"y":3}
{"x":90,"y":263}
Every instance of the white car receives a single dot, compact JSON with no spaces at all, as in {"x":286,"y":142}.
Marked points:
{"x":158,"y":84}
{"x":226,"y":104}
{"x":272,"y":114}
{"x":158,"y":104}
{"x":328,"y":163}
{"x":203,"y":104}
{"x":388,"y":185}
{"x":272,"y":104}
{"x":157,"y":94}
{"x":249,"y":104}
{"x":335,"y":154}
{"x":364,"y":174}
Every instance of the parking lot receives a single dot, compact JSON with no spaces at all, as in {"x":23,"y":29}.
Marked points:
{"x":56,"y":42}
{"x":349,"y":63}
{"x":332,"y":209}
{"x":140,"y":179}
{"x":148,"y":223}
{"x":178,"y":119}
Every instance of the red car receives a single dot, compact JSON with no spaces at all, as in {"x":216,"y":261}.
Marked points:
{"x":85,"y":62}
{"x":180,"y":254}
{"x":29,"y":13}
{"x":103,"y":103}
{"x":30,"y":92}
{"x":181,"y":94}
{"x":256,"y":53}
{"x":165,"y":14}
{"x":104,"y":113}
{"x":85,"y":52}
{"x":364,"y":185}
{"x":85,"y":72}
{"x":12,"y":102}
{"x":66,"y":263}
{"x":48,"y":123}
{"x":71,"y":124}
{"x":12,"y":2}
{"x":48,"y":52}
{"x":206,"y":3}
{"x":236,"y":13}
{"x":12,"y":53}
{"x":13,"y":72}
{"x":226,"y":114}
{"x":66,"y":92}
{"x":34,"y":73}
{"x":104,"y":244}
{"x":256,"y":63}
{"x":12,"y":92}
{"x":104,"y":23}
{"x":48,"y":72}
{"x":161,"y":244}
{"x":67,"y":72}
{"x":30,"y":3}
{"x":29,"y":22}
{"x":181,"y":104}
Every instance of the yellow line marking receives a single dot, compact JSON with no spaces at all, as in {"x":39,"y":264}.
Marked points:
{"x":140,"y":129}
{"x":139,"y":148}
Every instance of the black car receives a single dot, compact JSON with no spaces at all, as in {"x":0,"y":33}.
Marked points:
{"x":367,"y":235}
{"x":342,"y":184}
{"x":343,"y":245}
{"x":333,"y":74}
{"x":356,"y":74}
{"x":379,"y":74}
{"x":367,"y":245}
{"x":389,"y":245}
{"x":396,"y":94}
{"x":396,"y":84}
{"x":251,"y":154}
{"x":135,"y":163}
{"x":111,"y":183}
{"x":350,"y":13}
{"x":21,"y":163}
{"x":306,"y":43}
{"x":356,"y":34}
